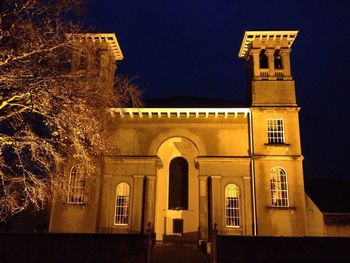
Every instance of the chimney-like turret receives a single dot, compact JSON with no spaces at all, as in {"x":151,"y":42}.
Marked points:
{"x":269,"y":71}
{"x":97,"y":56}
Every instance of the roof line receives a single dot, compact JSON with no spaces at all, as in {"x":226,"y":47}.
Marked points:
{"x":180,"y":112}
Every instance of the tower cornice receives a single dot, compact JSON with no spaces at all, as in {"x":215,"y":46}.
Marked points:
{"x":250,"y":36}
{"x":108,"y":38}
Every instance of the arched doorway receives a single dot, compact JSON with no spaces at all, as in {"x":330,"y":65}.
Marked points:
{"x":177,"y":198}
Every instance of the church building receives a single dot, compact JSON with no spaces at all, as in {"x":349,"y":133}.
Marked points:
{"x":184,"y":165}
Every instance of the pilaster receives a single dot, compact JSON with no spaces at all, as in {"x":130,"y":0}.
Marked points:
{"x":215,"y":200}
{"x":137,"y":203}
{"x":203,"y":207}
{"x":247,"y":206}
{"x":150,"y":200}
{"x":285,"y":56}
{"x":256,"y":62}
{"x":271,"y":61}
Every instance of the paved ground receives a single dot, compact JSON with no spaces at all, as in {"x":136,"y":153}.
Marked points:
{"x":175,"y":252}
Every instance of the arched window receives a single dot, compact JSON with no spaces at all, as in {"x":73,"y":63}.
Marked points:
{"x":77,"y":184}
{"x":279,"y":187}
{"x":122,"y":204}
{"x":178,"y":184}
{"x":232,"y":205}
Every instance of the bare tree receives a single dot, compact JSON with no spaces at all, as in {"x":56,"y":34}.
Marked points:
{"x":48,"y":113}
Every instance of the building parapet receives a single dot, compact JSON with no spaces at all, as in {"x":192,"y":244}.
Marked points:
{"x":180,"y":112}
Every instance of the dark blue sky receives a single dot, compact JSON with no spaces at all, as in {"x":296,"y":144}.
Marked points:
{"x":190,"y":48}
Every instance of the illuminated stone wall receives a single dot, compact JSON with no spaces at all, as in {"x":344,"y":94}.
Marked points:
{"x":222,"y":147}
{"x":215,"y":147}
{"x":288,"y":220}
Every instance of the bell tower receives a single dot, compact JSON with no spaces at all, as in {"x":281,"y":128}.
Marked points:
{"x":269,"y":71}
{"x":275,"y":150}
{"x":96,"y":54}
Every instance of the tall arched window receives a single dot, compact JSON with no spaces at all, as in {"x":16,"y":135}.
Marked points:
{"x":232,"y":205}
{"x":279,"y":187}
{"x":77,"y":184}
{"x":178,"y":184}
{"x":122,"y":204}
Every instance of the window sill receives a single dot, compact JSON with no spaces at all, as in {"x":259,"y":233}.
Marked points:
{"x":286,"y":209}
{"x":121,"y":225}
{"x":76,"y":204}
{"x":277,"y":144}
{"x":281,"y":208}
{"x":232,"y":231}
{"x":178,"y":209}
{"x":233,"y":227}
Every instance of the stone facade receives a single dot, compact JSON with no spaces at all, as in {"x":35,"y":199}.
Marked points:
{"x":254,"y":150}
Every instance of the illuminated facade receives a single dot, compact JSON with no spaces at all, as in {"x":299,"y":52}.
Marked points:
{"x":185,"y":169}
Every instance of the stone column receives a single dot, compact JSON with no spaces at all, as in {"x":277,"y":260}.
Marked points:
{"x":255,"y":53}
{"x":203,"y":207}
{"x":216,"y":199}
{"x":150,"y":201}
{"x":285,"y":56}
{"x":270,"y":53}
{"x":137,"y":203}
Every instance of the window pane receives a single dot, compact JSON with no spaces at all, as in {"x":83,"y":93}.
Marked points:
{"x":76,"y":187}
{"x":279,"y":187}
{"x":232,"y":205}
{"x":122,"y":204}
{"x":275,"y":131}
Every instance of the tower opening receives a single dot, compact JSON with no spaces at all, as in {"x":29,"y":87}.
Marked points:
{"x":264,"y":63}
{"x":277,"y":60}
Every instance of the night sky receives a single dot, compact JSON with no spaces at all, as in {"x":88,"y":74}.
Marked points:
{"x":190,"y":48}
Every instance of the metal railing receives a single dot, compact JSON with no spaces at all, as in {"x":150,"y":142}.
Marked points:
{"x":264,"y":73}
